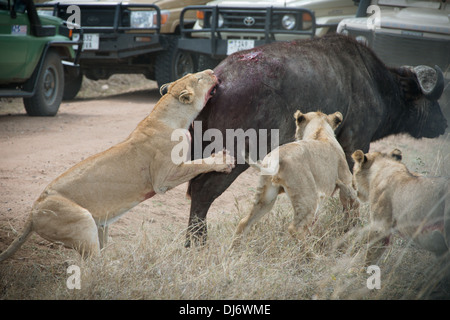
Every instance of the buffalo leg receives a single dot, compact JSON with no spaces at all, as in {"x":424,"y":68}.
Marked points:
{"x":204,"y":189}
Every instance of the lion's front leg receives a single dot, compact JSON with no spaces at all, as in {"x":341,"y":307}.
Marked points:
{"x":379,"y":232}
{"x":221,"y":162}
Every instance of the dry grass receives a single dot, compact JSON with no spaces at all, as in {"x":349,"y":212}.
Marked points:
{"x":270,"y":264}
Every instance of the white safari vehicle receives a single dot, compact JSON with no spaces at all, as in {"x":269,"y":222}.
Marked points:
{"x":226,"y":26}
{"x":404,"y":32}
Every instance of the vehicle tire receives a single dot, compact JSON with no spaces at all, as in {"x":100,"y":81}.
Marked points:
{"x":49,"y":88}
{"x":206,"y":62}
{"x":72,"y":84}
{"x":173,"y":63}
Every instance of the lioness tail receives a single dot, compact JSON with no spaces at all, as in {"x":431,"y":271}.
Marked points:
{"x":17,"y":243}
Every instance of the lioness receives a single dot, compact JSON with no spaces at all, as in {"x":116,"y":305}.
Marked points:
{"x":77,"y":207}
{"x":308,"y":169}
{"x":417,"y":207}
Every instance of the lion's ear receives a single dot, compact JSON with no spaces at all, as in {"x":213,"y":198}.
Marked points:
{"x":396,"y":154}
{"x":359,"y":156}
{"x":335,"y":119}
{"x":186,"y":96}
{"x":299,"y":117}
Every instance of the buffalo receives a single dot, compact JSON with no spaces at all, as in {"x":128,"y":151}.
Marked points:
{"x":261,"y":88}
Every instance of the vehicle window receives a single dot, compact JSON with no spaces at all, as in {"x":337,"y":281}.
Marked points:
{"x":20,"y":6}
{"x":4,"y":5}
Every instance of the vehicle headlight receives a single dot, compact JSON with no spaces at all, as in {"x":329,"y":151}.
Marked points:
{"x":142,"y":19}
{"x":363,"y":40}
{"x":219,"y":21}
{"x":288,"y":21}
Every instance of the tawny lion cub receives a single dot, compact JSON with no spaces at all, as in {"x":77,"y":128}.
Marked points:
{"x":417,"y":207}
{"x":308,"y":169}
{"x":77,"y":207}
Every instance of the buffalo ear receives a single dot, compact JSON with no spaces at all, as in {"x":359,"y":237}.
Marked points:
{"x":299,"y":117}
{"x":164,"y":89}
{"x":335,"y":119}
{"x":408,"y":82}
{"x":359,"y":156}
{"x":186,"y":96}
{"x":396,"y":154}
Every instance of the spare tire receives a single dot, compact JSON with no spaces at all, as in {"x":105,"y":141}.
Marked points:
{"x":173,"y":63}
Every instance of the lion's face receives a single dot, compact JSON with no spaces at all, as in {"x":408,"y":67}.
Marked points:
{"x":303,"y":120}
{"x":193,"y":89}
{"x":367,"y":165}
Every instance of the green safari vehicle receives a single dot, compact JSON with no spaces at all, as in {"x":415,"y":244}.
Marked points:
{"x":37,"y":53}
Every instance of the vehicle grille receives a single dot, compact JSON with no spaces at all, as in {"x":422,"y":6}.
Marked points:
{"x":399,"y":50}
{"x":235,"y":20}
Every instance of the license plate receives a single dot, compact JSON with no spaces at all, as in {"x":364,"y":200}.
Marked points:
{"x":90,"y":41}
{"x":239,"y":45}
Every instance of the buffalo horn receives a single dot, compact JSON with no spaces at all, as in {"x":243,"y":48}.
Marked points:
{"x":431,"y":86}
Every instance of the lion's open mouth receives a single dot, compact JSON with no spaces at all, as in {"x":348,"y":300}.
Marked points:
{"x":213,"y":91}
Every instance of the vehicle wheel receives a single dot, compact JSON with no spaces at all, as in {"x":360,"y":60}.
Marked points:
{"x":173,"y":64}
{"x":49,"y":88}
{"x":206,"y":62}
{"x":72,"y":84}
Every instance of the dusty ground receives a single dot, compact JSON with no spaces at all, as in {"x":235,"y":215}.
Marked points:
{"x":34,"y":151}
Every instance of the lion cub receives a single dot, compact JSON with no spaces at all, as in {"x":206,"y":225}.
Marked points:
{"x":417,"y":207}
{"x":308,"y":169}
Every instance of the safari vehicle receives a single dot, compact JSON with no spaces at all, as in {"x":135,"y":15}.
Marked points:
{"x":136,"y":37}
{"x":404,"y":32}
{"x":226,"y":26}
{"x":36,"y":52}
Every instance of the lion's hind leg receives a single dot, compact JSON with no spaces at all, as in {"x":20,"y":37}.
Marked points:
{"x":265,"y":198}
{"x":349,"y":200}
{"x":305,"y":204}
{"x":58,"y":219}
{"x":347,"y":196}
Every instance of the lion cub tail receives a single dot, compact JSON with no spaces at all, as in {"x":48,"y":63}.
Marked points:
{"x":270,"y":169}
{"x":19,"y":241}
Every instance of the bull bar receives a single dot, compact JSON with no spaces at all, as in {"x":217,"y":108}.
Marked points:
{"x":216,"y":46}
